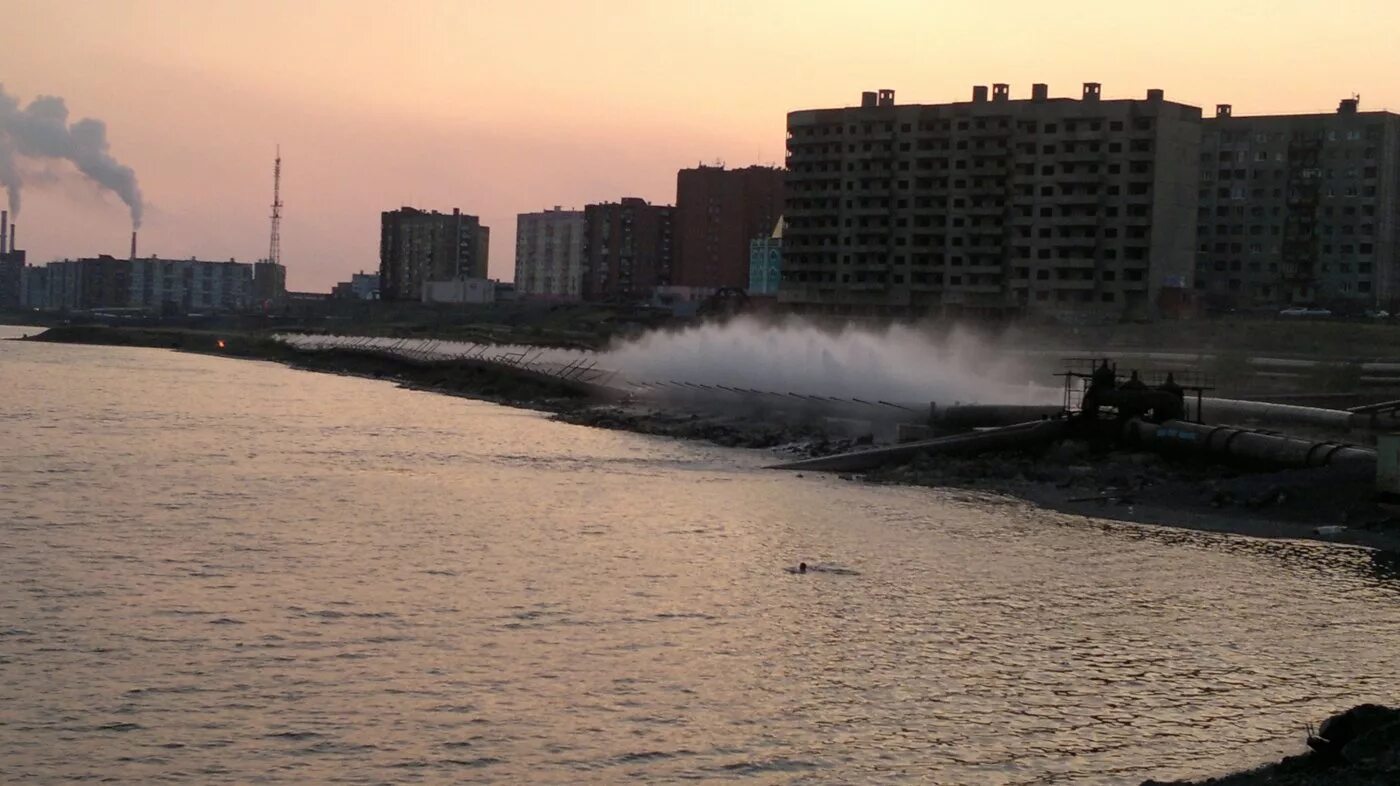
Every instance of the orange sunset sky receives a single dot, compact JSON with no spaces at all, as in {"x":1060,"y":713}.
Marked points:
{"x":517,"y":105}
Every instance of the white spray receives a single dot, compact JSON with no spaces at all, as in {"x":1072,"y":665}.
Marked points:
{"x":899,"y":363}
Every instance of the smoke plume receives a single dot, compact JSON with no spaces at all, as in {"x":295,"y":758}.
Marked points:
{"x":42,"y":130}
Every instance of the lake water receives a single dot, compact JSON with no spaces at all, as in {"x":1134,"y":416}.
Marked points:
{"x":222,"y":571}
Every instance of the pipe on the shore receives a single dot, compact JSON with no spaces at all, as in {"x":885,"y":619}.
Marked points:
{"x":1264,"y":414}
{"x":1259,"y":446}
{"x":970,"y":416}
{"x":1021,"y":435}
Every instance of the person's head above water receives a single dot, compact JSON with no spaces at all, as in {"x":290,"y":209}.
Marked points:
{"x":801,"y":567}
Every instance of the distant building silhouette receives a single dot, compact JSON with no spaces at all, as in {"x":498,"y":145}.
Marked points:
{"x":549,"y":254}
{"x":418,"y":246}
{"x":627,"y":250}
{"x":1300,"y":209}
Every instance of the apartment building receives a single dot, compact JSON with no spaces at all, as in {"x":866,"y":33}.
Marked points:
{"x":718,"y":211}
{"x":419,"y":246}
{"x":1073,"y":208}
{"x":154,"y":285}
{"x":1300,"y":209}
{"x":627,"y":251}
{"x":549,"y":254}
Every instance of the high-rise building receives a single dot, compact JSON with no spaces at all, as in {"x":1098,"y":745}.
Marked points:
{"x":549,"y":254}
{"x":1300,"y":209}
{"x":627,"y":250}
{"x":718,"y":211}
{"x":1075,"y":208}
{"x":418,"y":246}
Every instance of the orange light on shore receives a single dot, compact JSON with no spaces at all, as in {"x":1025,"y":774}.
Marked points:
{"x":221,"y":343}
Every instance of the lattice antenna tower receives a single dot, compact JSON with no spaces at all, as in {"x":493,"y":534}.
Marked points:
{"x":274,"y":247}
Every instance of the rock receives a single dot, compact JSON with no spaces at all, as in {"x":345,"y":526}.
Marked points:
{"x":1342,"y":729}
{"x":1378,"y":747}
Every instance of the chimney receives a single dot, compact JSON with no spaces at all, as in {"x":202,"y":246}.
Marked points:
{"x":1040,"y":91}
{"x":1091,"y":91}
{"x":1001,"y":92}
{"x":1348,"y":105}
{"x":4,"y":224}
{"x":886,"y":97}
{"x":1155,"y":94}
{"x":133,"y":244}
{"x":1223,"y":110}
{"x":12,"y":237}
{"x":979,"y":94}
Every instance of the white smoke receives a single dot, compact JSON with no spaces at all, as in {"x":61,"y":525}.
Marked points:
{"x":901,"y":363}
{"x":42,"y":130}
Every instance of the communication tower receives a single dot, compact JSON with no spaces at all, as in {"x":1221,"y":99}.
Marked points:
{"x":274,"y":248}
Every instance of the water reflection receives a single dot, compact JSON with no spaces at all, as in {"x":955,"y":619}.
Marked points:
{"x":223,"y":571}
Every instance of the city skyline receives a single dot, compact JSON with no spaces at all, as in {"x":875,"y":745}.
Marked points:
{"x":453,"y":114}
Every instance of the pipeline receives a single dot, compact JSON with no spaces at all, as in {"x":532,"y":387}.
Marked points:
{"x":1261,"y":447}
{"x":1258,"y":413}
{"x":1021,"y":435}
{"x":970,"y":416}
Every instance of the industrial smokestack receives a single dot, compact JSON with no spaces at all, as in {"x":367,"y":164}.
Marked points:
{"x":133,"y":244}
{"x":12,"y":237}
{"x":4,"y":225}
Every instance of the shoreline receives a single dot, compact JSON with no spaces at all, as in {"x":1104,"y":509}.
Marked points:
{"x":1134,"y":488}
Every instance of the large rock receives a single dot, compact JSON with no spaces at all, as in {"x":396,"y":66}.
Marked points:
{"x":1339,"y":731}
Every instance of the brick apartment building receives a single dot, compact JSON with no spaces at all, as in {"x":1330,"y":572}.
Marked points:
{"x":628,"y":250}
{"x":718,"y":212}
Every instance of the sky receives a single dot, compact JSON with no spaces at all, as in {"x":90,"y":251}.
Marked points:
{"x":512,"y":106}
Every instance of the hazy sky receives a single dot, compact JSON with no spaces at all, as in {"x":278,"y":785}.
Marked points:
{"x":516,"y":105}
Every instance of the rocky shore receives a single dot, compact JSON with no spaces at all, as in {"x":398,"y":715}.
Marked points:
{"x":1359,"y":747}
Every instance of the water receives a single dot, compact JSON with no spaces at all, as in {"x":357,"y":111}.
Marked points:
{"x":224,"y":571}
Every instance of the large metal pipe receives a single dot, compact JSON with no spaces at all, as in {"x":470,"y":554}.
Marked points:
{"x":969,"y":416}
{"x":1021,"y":435}
{"x":1259,"y":413}
{"x":1255,"y":446}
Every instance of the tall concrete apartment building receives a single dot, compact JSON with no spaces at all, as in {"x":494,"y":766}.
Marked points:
{"x":419,"y":246}
{"x":1078,"y":208}
{"x":718,"y":212}
{"x":549,"y":254}
{"x":1300,"y":209}
{"x":628,"y":249}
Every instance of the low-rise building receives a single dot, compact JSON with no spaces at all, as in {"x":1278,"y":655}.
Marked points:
{"x":462,"y":291}
{"x":766,"y":263}
{"x":361,"y":286}
{"x":165,"y":286}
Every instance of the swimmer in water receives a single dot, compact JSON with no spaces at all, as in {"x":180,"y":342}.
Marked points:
{"x":801,"y":567}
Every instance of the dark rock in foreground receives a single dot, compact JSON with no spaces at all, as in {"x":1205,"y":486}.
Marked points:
{"x":1359,"y":747}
